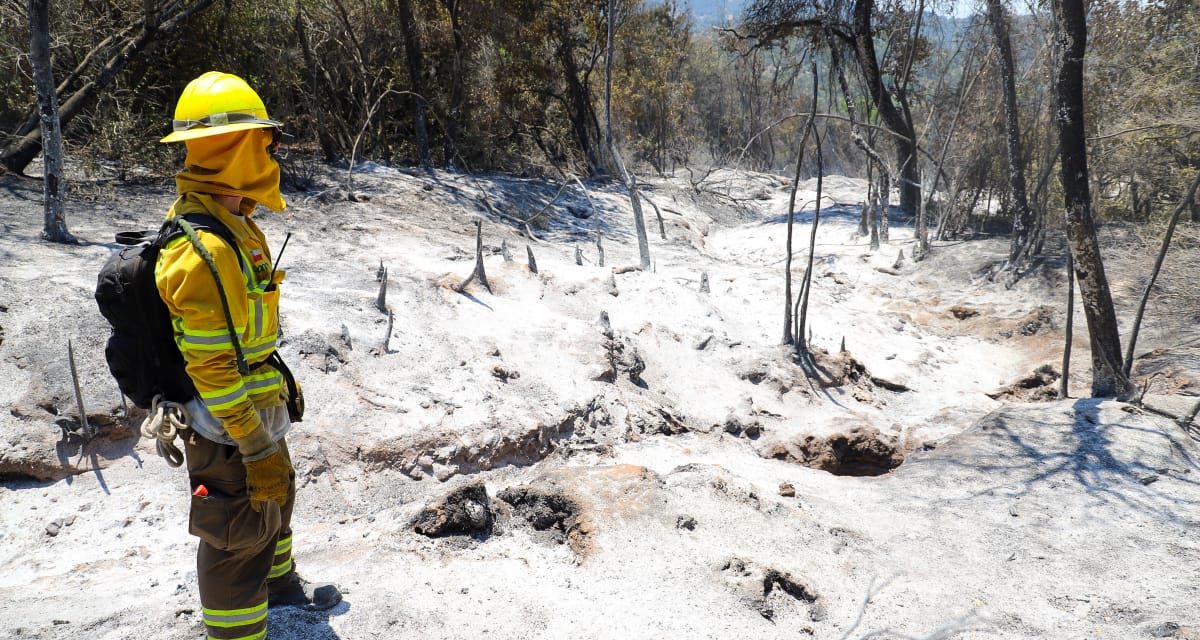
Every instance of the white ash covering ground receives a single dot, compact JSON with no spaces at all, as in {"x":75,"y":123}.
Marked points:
{"x":666,"y":476}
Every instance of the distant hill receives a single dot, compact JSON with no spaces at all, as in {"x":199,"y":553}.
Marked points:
{"x":944,"y":31}
{"x":714,"y":12}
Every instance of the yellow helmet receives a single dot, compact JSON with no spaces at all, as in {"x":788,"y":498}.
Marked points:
{"x":217,"y":103}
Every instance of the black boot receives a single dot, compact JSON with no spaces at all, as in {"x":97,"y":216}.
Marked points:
{"x":294,"y":591}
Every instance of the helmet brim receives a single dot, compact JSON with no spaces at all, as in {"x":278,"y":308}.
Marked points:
{"x":204,"y":132}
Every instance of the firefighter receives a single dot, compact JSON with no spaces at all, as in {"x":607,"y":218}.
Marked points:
{"x":243,"y":484}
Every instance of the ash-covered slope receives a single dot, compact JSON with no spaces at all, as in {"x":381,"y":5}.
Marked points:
{"x":604,"y":454}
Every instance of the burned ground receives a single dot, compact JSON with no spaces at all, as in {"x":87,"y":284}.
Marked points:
{"x":671,"y":472}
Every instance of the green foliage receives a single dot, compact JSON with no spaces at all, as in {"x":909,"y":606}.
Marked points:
{"x":531,"y":74}
{"x":651,"y":93}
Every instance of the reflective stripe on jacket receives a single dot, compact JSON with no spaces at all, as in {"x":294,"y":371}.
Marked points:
{"x":186,"y":285}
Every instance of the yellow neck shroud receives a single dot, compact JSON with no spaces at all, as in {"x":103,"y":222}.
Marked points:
{"x":233,"y":164}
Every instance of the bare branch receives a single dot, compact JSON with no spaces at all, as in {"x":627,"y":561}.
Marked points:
{"x":1160,"y":125}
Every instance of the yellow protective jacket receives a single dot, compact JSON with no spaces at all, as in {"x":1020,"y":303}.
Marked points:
{"x":186,"y":285}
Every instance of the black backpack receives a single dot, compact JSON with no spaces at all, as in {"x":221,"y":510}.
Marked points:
{"x":141,"y":352}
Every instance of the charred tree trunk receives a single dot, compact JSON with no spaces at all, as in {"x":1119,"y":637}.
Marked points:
{"x":479,"y":274}
{"x":1064,"y":386}
{"x":54,"y":187}
{"x":662,"y":224}
{"x":922,"y":229}
{"x":867,"y":147}
{"x":457,"y":92}
{"x":1070,"y":35}
{"x":413,"y":55}
{"x":877,"y":209}
{"x":579,"y":100}
{"x":864,"y":143}
{"x":864,"y":219}
{"x":611,"y":15}
{"x":787,"y":261}
{"x":885,"y":202}
{"x":806,"y":286}
{"x":315,"y":84}
{"x":533,"y":268}
{"x":639,"y":219}
{"x":788,"y":337}
{"x":1023,"y":218}
{"x":18,"y":156}
{"x":895,"y":119}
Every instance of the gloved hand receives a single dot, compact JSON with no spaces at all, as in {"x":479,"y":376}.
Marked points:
{"x":268,"y":478}
{"x":268,"y":471}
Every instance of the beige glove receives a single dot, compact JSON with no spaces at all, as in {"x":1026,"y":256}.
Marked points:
{"x":268,"y":479}
{"x":268,"y":471}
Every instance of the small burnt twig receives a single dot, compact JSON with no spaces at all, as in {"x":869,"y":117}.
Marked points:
{"x":662,"y":228}
{"x":387,"y":338}
{"x":83,"y":421}
{"x":381,"y":299}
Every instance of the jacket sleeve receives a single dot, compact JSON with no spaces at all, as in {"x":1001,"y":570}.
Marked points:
{"x":186,"y":286}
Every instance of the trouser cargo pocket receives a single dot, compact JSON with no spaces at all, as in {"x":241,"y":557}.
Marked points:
{"x":230,"y":524}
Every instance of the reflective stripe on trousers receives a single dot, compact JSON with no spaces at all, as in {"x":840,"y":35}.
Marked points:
{"x":249,"y":623}
{"x":241,"y":550}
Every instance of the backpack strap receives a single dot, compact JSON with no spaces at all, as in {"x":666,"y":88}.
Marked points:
{"x":295,"y":401}
{"x":205,"y":222}
{"x":181,"y":223}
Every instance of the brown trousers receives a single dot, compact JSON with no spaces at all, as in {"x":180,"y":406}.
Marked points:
{"x":241,"y":550}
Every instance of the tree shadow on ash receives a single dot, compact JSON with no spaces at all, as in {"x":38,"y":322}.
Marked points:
{"x":819,"y":377}
{"x":1188,"y":422}
{"x":1085,"y":456}
{"x":469,"y":296}
{"x":571,"y":217}
{"x":897,"y":219}
{"x":298,"y":624}
{"x":22,"y":187}
{"x":844,"y":212}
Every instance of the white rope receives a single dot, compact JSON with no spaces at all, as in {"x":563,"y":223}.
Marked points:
{"x":165,"y":421}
